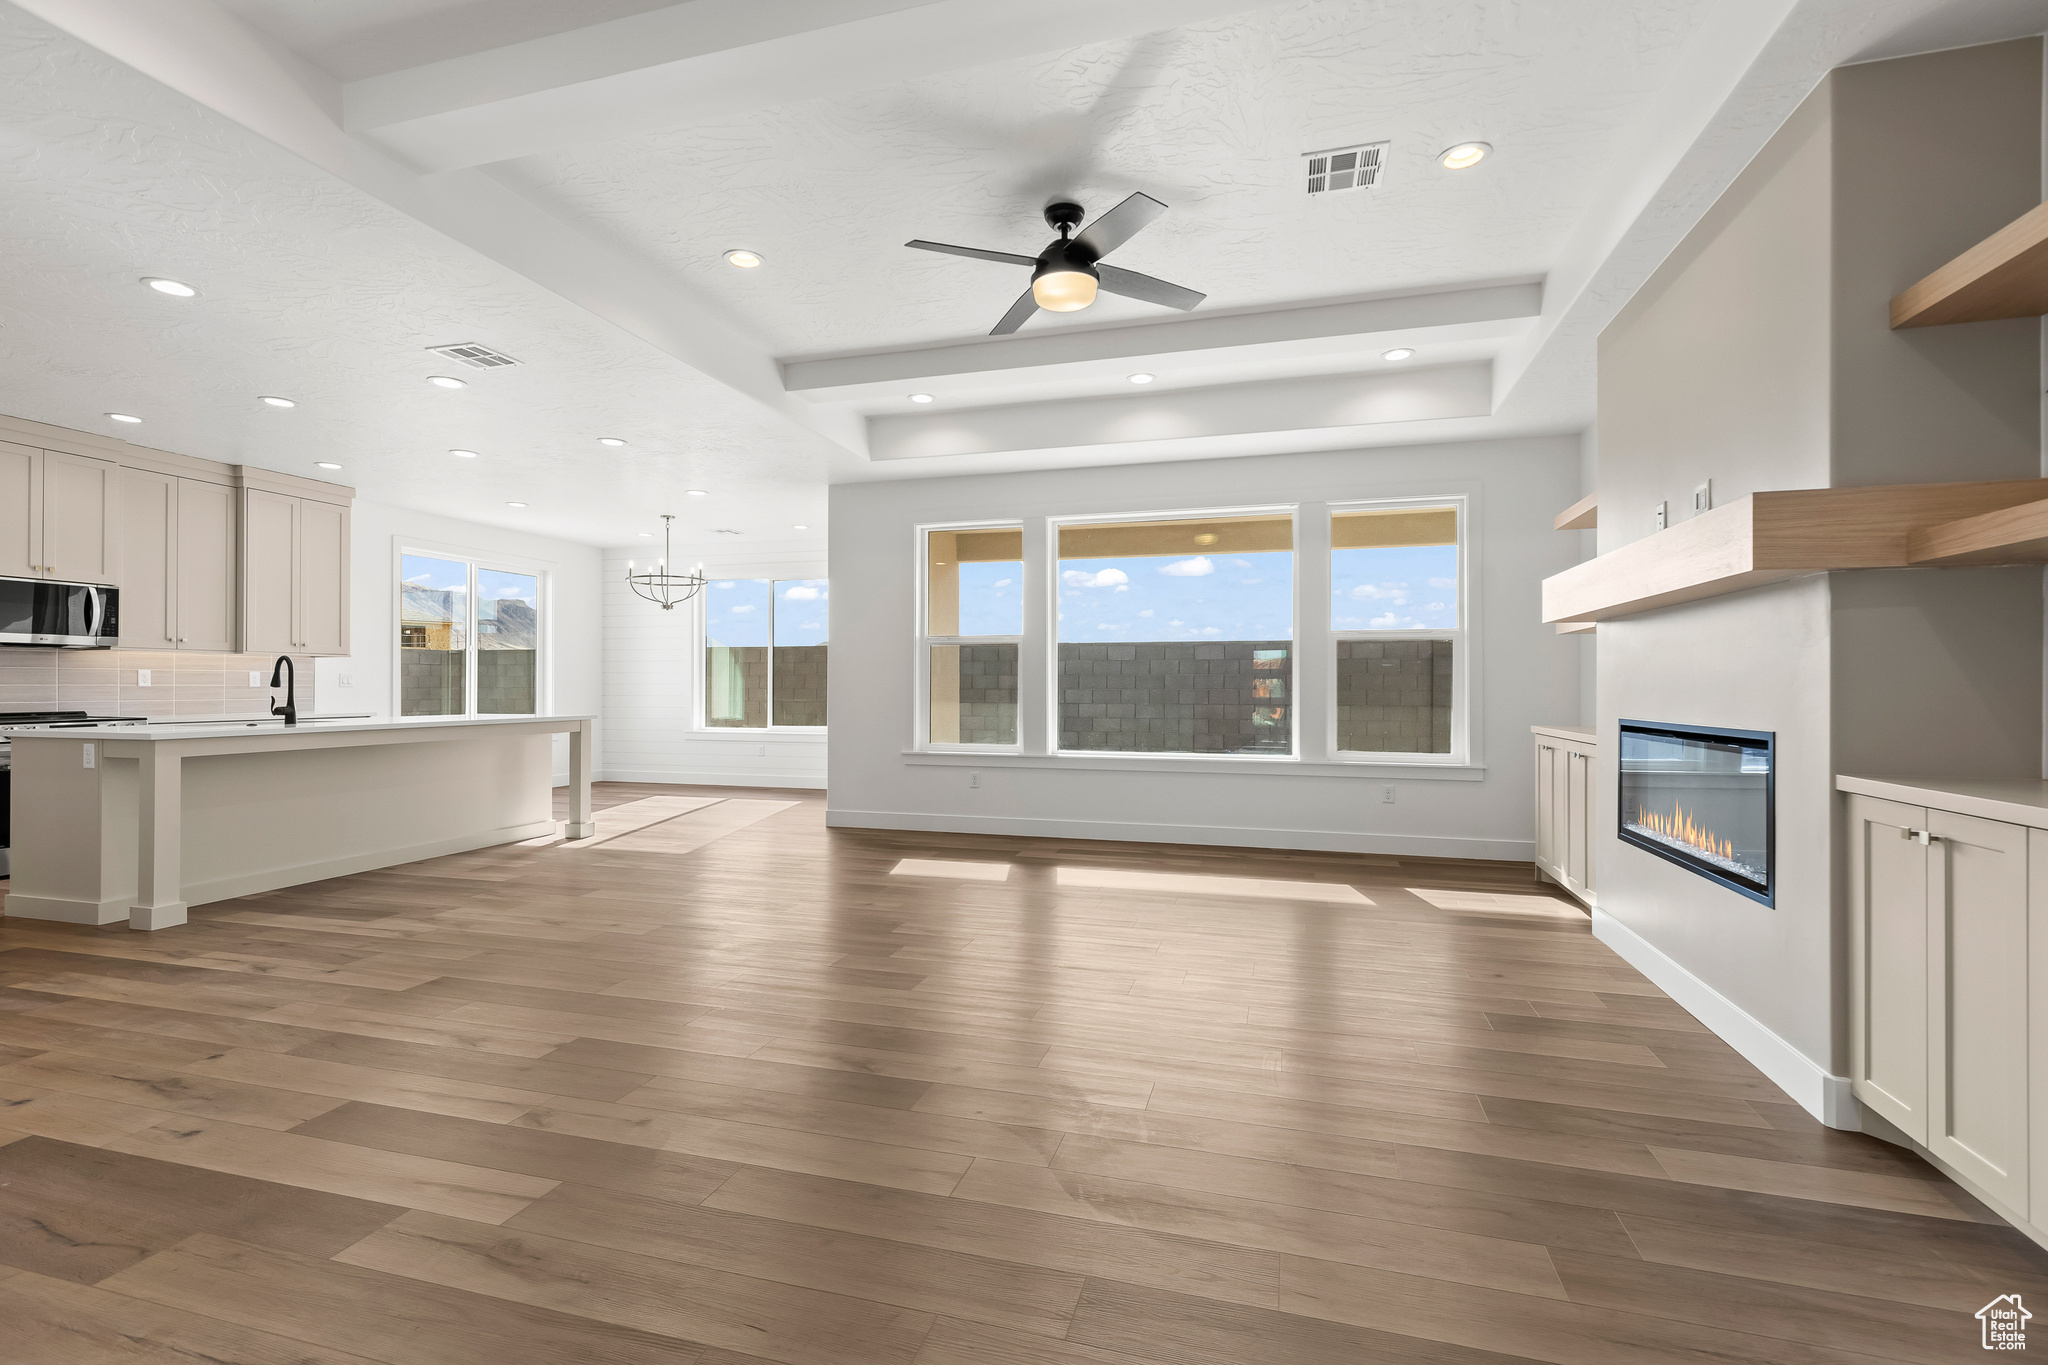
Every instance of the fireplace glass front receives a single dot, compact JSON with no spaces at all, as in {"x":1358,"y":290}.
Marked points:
{"x":1703,"y":798}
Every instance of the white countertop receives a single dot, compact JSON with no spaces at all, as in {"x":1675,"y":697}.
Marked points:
{"x":264,"y":729}
{"x":1585,"y":734}
{"x":2013,"y":800}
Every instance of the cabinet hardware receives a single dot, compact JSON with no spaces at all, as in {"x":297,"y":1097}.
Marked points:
{"x":1924,"y":836}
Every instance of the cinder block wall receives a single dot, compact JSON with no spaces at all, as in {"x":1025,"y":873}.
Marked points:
{"x":1228,"y":696}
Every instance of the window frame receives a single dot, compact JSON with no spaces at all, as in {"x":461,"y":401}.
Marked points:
{"x":923,"y":640}
{"x":700,"y":721}
{"x":475,"y":562}
{"x":1461,"y":635}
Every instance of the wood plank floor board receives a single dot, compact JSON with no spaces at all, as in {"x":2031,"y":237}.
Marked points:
{"x":729,"y":1089}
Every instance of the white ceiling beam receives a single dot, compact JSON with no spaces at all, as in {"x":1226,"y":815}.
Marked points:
{"x":1323,"y":330}
{"x":706,"y":59}
{"x":1183,"y":415}
{"x":209,"y":56}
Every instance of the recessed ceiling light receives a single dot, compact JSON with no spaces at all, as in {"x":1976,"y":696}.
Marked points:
{"x":609,"y":441}
{"x":463,"y":454}
{"x":920,"y":398}
{"x":745,"y":260}
{"x":1398,"y":353}
{"x":123,"y":417}
{"x":647,"y":535}
{"x":799,"y":528}
{"x":171,"y":287}
{"x":694,"y":492}
{"x":275,"y":401}
{"x":515,"y":504}
{"x":1141,"y":379}
{"x":326,"y":464}
{"x":1464,"y":156}
{"x":446,"y":381}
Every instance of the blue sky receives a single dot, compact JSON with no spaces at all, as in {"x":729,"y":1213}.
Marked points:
{"x":738,"y":612}
{"x":1194,"y":597}
{"x":1408,"y":587}
{"x":425,"y":571}
{"x":992,"y":598}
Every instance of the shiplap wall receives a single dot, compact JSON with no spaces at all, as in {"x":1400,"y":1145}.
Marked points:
{"x":652,"y":676}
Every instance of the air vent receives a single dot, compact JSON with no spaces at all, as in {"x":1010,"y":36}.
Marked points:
{"x":725,"y":531}
{"x":475,"y":356}
{"x":1346,"y":168}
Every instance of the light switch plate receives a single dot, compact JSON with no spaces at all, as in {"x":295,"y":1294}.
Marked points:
{"x":255,"y":678}
{"x":1387,"y":795}
{"x":88,"y":754}
{"x":1660,"y":516}
{"x":141,"y":678}
{"x":344,"y":681}
{"x":1703,"y":498}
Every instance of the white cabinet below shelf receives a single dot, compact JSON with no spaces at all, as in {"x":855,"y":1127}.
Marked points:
{"x":1565,"y":756}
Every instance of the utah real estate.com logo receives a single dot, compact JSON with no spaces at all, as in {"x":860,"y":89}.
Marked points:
{"x":2005,"y":1323}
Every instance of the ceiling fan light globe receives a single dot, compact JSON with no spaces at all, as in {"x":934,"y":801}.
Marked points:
{"x":1063,"y":290}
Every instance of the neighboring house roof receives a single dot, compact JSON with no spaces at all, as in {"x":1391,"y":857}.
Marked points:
{"x":502,"y":623}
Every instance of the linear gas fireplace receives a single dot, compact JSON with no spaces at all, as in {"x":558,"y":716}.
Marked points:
{"x":1703,"y":798}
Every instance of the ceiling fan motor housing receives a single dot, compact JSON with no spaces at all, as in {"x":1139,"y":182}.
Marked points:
{"x":1065,"y":256}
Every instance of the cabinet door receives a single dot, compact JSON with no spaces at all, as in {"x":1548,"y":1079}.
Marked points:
{"x":149,"y":541}
{"x":79,"y":506}
{"x":1546,"y":809}
{"x":205,"y":565}
{"x":323,"y":577}
{"x":2037,"y":1023}
{"x":1977,"y":1002}
{"x":1578,"y":810}
{"x":270,"y":589}
{"x":1888,"y":970}
{"x":21,"y":522}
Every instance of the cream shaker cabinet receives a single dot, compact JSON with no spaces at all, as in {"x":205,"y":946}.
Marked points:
{"x":1565,"y":755}
{"x":178,"y":562}
{"x":295,"y":565}
{"x":58,"y":515}
{"x":1947,"y":945}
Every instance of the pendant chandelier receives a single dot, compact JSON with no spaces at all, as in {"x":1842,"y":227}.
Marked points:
{"x":661,"y":586}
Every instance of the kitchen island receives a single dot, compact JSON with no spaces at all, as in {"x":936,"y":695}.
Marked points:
{"x":142,"y":823}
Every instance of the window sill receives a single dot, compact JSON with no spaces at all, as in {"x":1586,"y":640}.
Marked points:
{"x":814,"y":735}
{"x":1200,"y":763}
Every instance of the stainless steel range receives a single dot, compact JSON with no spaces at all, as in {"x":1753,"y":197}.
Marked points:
{"x":39,"y":720}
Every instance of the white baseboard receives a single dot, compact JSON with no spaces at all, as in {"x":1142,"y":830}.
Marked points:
{"x":65,"y":910}
{"x":1818,"y":1091}
{"x":1222,"y":836}
{"x":717,"y":777}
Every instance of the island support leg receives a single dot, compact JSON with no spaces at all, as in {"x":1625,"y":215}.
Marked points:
{"x":159,"y":865}
{"x":582,"y":823}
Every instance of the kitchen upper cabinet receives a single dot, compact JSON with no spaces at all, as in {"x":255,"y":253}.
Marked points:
{"x":204,"y":566}
{"x":177,"y":562}
{"x":295,"y":566}
{"x":149,"y":537}
{"x":58,"y":514}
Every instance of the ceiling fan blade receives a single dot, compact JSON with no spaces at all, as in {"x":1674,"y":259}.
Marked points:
{"x":1019,"y":314}
{"x":1120,"y":224}
{"x":1000,"y":257}
{"x":1132,"y":285}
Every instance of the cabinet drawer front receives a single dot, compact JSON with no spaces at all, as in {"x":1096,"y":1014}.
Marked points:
{"x":1977,"y":1113}
{"x":1888,"y":975}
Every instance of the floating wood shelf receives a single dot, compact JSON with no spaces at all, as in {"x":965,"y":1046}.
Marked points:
{"x":2003,"y":276}
{"x":1576,"y":627}
{"x":1767,"y":537}
{"x":2011,"y":535}
{"x":1582,"y":515}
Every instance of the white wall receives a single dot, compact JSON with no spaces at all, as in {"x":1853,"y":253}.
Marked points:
{"x":1527,"y":674}
{"x":652,"y":673}
{"x":570,"y":615}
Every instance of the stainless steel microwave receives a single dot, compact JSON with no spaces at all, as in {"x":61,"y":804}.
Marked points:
{"x":51,"y":615}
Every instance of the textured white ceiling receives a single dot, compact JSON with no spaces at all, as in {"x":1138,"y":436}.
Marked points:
{"x":1211,"y":118}
{"x":351,"y":39}
{"x":317,"y":292}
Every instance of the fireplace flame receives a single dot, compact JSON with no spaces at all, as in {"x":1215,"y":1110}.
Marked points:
{"x":1680,"y":826}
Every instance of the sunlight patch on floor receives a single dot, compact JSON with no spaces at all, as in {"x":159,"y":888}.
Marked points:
{"x":1191,"y":884}
{"x":1496,"y":903}
{"x":941,"y":867}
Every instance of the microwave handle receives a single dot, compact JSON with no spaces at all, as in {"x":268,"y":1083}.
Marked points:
{"x":92,"y":622}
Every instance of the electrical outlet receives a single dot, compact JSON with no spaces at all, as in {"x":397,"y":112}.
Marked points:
{"x":343,"y":680}
{"x":1387,"y":795}
{"x":1660,"y":516}
{"x":255,"y":678}
{"x":88,"y":755}
{"x":973,"y":781}
{"x":1703,"y":497}
{"x":142,"y":677}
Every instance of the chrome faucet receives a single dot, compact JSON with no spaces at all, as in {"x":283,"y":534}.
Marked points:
{"x":287,"y":671}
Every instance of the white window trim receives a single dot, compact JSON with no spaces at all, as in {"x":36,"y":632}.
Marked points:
{"x":923,"y":641}
{"x":700,"y":723}
{"x":541,"y":570}
{"x":1464,"y":710}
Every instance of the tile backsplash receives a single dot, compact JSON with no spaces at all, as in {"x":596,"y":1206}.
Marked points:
{"x":105,"y":682}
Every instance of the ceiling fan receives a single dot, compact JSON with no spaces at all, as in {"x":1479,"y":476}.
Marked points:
{"x":1066,"y":275}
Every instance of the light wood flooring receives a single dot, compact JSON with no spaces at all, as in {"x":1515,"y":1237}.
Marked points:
{"x":721,"y":1086}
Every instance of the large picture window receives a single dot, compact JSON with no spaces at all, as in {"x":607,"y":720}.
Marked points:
{"x":1397,"y":612}
{"x":468,"y":638}
{"x":1177,"y":636}
{"x":973,"y":624}
{"x":765,"y":649}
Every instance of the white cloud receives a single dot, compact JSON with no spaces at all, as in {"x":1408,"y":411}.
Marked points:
{"x":801,"y":593}
{"x":810,"y":625}
{"x":1211,"y":630}
{"x":1436,"y":606}
{"x":1240,"y":563}
{"x":1397,"y":593}
{"x":1247,"y":582}
{"x":1111,"y":625}
{"x":740,"y":611}
{"x":1146,"y":612}
{"x":1189,"y":568}
{"x":726,"y":583}
{"x":1176,"y":623}
{"x":1081,"y":578}
{"x":1389,"y":621}
{"x":1000,"y":583}
{"x":1443,"y":582}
